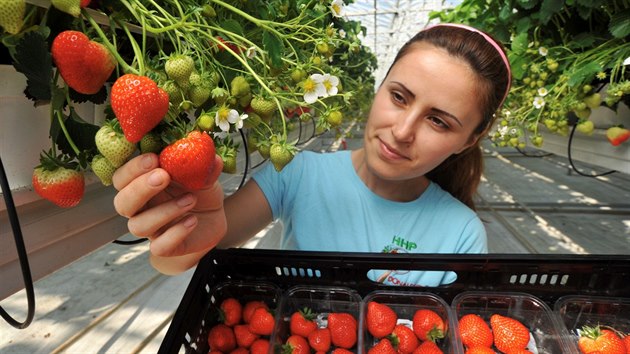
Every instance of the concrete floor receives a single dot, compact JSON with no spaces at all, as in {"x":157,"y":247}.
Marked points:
{"x":112,"y":301}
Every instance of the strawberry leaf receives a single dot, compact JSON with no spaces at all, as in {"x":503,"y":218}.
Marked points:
{"x":81,"y":132}
{"x":98,"y":98}
{"x":33,"y":59}
{"x":273,"y":46}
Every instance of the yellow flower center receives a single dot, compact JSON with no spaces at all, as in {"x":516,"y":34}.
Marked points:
{"x":309,"y":85}
{"x":223,"y":113}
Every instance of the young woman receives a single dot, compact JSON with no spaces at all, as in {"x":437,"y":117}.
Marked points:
{"x":408,"y":189}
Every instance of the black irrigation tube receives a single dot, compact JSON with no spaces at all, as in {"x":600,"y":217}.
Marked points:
{"x":571,"y":159}
{"x":22,"y":255}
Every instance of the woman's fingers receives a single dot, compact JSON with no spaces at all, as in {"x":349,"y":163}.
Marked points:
{"x":149,"y":222}
{"x":133,"y":169}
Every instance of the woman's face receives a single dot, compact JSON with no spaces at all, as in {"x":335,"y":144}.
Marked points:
{"x":426,"y":110}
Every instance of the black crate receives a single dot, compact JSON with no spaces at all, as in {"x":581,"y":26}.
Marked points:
{"x":547,"y":277}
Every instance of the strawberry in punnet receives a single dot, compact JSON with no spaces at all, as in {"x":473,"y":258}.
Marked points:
{"x":103,"y":169}
{"x":380,"y":318}
{"x":626,"y":341}
{"x":72,"y":7}
{"x":384,"y":346}
{"x":262,"y":321}
{"x":139,"y":105}
{"x":250,"y":307}
{"x":84,"y":65}
{"x":320,"y":340}
{"x":302,"y":322}
{"x":58,"y":181}
{"x":190,"y":160}
{"x":597,"y":339}
{"x":428,"y":325}
{"x":221,"y":338}
{"x":343,"y":329}
{"x":404,"y":339}
{"x":617,"y":135}
{"x":260,"y":346}
{"x":231,"y":311}
{"x":474,"y":331}
{"x":296,"y":344}
{"x":429,"y":347}
{"x":341,"y":351}
{"x":509,"y":333}
{"x":479,"y":350}
{"x":244,"y":337}
{"x":12,"y":15}
{"x":112,"y":144}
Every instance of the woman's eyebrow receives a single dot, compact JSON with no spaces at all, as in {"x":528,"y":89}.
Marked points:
{"x":442,"y":112}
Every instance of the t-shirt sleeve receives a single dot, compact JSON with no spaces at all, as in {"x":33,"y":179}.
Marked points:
{"x":280,"y":187}
{"x":474,"y":238}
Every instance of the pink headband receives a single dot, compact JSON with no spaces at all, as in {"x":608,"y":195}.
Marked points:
{"x":492,"y":42}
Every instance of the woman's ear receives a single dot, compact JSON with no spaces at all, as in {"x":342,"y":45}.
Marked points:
{"x":471,"y":141}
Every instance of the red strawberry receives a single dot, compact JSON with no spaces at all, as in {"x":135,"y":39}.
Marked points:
{"x":260,"y":346}
{"x":61,"y":185}
{"x":262,"y":322}
{"x":429,"y":347}
{"x":231,"y":311}
{"x":249,"y":308}
{"x":84,"y":65}
{"x":605,"y":341}
{"x":428,"y":325}
{"x":404,"y":339}
{"x":626,"y":341}
{"x":296,"y":344}
{"x":240,"y":350}
{"x":301,"y":322}
{"x":341,"y":351}
{"x":320,"y":339}
{"x":509,"y":333}
{"x":190,"y":160}
{"x":474,"y":331}
{"x":139,"y":104}
{"x":384,"y":346}
{"x":381,"y":319}
{"x":525,"y":351}
{"x":221,"y":338}
{"x":343,"y":329}
{"x":617,"y":135}
{"x":479,"y":350}
{"x":244,"y":337}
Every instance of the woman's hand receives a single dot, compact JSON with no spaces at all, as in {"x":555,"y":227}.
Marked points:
{"x":178,"y":222}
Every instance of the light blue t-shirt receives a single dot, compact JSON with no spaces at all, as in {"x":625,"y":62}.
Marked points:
{"x":325,"y":206}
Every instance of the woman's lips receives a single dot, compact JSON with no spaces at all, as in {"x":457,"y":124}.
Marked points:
{"x":390,"y":153}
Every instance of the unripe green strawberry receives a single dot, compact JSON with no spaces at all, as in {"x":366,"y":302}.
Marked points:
{"x":72,"y":7}
{"x":205,"y":122}
{"x":263,"y":107}
{"x":174,"y":92}
{"x":252,"y":121}
{"x":322,"y":47}
{"x":264,"y":148}
{"x":151,"y":142}
{"x":178,"y":67}
{"x":208,"y":11}
{"x":617,"y":135}
{"x":228,"y":155}
{"x":12,"y":15}
{"x":62,"y":186}
{"x":297,"y":75}
{"x":239,"y":86}
{"x":245,"y":100}
{"x":198,"y":95}
{"x":113,"y":145}
{"x":583,"y":113}
{"x":334,"y":118}
{"x":103,"y":169}
{"x":593,"y":101}
{"x":585,"y":127}
{"x":281,"y":154}
{"x":537,"y":140}
{"x":220,"y":95}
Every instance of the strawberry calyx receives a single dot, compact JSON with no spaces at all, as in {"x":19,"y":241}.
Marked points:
{"x":49,"y":162}
{"x":434,"y":334}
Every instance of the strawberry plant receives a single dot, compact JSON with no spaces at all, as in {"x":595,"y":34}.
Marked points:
{"x":567,"y":58}
{"x":186,"y":65}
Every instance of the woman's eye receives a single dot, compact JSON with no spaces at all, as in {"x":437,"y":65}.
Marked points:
{"x":438,"y":122}
{"x":398,"y":97}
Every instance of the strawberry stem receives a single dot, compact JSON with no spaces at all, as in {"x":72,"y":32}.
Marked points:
{"x":126,"y":67}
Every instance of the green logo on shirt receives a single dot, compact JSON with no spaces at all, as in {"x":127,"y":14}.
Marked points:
{"x":404,"y":244}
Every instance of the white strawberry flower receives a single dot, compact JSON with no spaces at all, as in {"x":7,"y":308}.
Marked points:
{"x":238,"y":122}
{"x":337,"y":7}
{"x":251,"y":52}
{"x":313,"y":88}
{"x":542,"y":92}
{"x":342,"y":33}
{"x":539,"y":102}
{"x":330,"y":82}
{"x":225,"y":117}
{"x":543,"y":51}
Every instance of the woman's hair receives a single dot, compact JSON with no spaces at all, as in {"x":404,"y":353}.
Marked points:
{"x":460,"y":174}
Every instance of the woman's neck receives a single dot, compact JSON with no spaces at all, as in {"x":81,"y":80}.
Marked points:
{"x":398,"y":191}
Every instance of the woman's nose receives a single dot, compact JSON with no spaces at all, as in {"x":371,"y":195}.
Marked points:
{"x":404,"y":128}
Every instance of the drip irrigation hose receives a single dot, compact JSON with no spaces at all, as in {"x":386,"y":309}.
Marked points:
{"x":531,"y":155}
{"x":246,"y":148}
{"x":571,"y":159}
{"x":22,"y":255}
